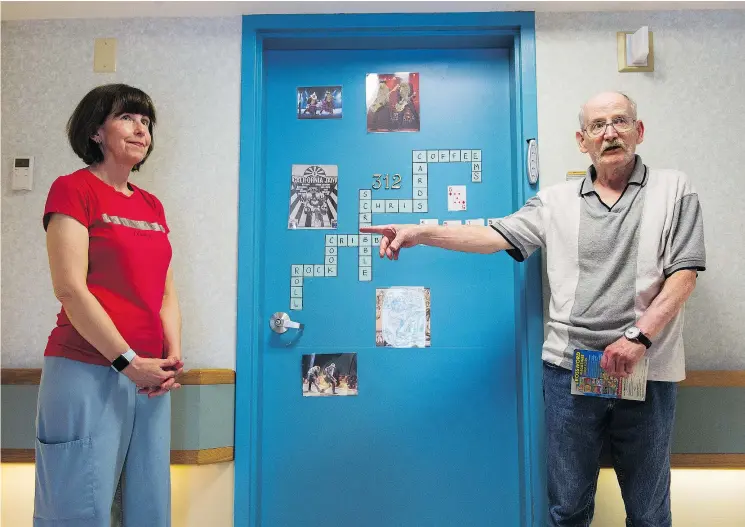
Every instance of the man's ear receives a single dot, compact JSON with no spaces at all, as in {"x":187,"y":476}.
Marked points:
{"x":581,"y":142}
{"x":640,"y":132}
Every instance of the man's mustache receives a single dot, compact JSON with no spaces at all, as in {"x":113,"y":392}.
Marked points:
{"x":613,"y":145}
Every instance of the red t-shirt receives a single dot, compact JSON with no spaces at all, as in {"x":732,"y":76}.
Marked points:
{"x":128,"y":258}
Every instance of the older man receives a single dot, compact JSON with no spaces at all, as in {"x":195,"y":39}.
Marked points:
{"x":624,"y":247}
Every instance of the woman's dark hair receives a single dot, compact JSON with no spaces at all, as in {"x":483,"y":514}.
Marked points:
{"x":96,"y":106}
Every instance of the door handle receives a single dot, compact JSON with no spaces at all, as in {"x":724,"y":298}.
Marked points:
{"x":281,"y":322}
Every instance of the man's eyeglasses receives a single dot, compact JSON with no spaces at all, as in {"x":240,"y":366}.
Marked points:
{"x":621,"y":124}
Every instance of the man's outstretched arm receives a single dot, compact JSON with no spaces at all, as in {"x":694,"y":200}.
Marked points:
{"x":463,"y":238}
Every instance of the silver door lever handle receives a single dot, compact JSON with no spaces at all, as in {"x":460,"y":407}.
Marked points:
{"x":281,"y":322}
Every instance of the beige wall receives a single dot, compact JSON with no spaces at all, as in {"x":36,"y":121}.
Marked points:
{"x":191,"y":67}
{"x":710,"y":498}
{"x":201,"y":495}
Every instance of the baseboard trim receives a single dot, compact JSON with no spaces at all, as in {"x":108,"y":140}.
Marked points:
{"x":178,"y":457}
{"x":32,"y":376}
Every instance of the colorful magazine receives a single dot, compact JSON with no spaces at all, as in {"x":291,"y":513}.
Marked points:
{"x":588,"y":378}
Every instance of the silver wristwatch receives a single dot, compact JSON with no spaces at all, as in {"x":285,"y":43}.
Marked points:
{"x":635,"y":334}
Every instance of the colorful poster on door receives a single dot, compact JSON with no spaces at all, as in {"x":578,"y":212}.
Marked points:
{"x":392,"y":102}
{"x":319,"y":102}
{"x":314,"y":197}
{"x":402,"y":317}
{"x":329,"y":374}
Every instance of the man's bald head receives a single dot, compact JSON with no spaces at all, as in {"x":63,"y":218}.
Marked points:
{"x":606,"y":99}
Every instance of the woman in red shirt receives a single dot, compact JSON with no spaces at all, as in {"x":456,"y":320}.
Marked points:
{"x":104,"y":403}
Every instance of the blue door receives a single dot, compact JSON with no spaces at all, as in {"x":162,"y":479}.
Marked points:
{"x":425,"y":436}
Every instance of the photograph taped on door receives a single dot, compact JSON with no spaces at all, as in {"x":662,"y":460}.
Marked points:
{"x":392,"y":102}
{"x":319,"y":102}
{"x":314,"y":197}
{"x":329,"y":374}
{"x":402,"y":317}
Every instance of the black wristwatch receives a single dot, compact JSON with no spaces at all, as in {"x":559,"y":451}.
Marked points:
{"x":635,"y":334}
{"x":123,"y":360}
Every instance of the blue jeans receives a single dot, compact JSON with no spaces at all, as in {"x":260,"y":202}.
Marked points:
{"x":640,"y":435}
{"x":93,"y":432}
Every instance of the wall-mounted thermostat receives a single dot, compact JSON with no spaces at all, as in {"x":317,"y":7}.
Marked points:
{"x":23,"y":173}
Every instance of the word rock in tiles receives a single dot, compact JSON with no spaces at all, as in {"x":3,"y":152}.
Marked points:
{"x":362,"y":244}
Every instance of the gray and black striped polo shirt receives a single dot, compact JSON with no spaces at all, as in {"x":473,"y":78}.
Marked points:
{"x":606,"y":264}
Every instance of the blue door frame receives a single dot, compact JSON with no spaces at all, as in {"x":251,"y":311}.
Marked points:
{"x":515,"y":31}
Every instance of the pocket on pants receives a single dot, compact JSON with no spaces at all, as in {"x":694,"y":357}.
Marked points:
{"x":65,"y":485}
